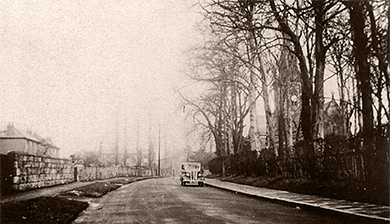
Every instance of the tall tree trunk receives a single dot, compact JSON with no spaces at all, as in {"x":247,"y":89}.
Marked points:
{"x":268,"y":116}
{"x":289,"y":141}
{"x":252,"y":113}
{"x":388,"y":70}
{"x":287,"y":72}
{"x":307,"y":89}
{"x":318,"y":99}
{"x":233,"y":118}
{"x":361,"y":53}
{"x":341,"y":84}
{"x":281,"y":120}
{"x":267,"y":106}
{"x":253,"y":129}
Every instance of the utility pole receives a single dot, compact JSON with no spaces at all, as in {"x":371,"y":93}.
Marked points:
{"x":159,"y":148}
{"x":117,"y":139}
{"x":125,"y":143}
{"x":139,"y":152}
{"x":151,"y":154}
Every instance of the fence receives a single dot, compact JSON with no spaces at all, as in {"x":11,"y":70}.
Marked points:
{"x":341,"y":166}
{"x":348,"y":166}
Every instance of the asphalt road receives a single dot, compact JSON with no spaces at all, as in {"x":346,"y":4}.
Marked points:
{"x":165,"y":201}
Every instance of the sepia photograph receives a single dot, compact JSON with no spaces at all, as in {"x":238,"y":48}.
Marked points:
{"x":194,"y":111}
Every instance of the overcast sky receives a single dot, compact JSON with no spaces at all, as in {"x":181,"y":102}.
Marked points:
{"x":69,"y":68}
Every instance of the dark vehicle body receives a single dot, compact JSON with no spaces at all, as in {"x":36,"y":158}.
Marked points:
{"x":192,"y":173}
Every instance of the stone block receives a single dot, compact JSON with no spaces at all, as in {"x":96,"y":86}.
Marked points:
{"x":34,"y":178}
{"x":23,"y":171}
{"x":22,"y":178}
{"x":15,"y":187}
{"x":22,"y":187}
{"x":34,"y":185}
{"x":15,"y":179}
{"x":17,"y":172}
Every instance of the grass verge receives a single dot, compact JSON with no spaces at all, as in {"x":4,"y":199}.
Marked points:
{"x":42,"y":210}
{"x":99,"y":189}
{"x":61,"y":209}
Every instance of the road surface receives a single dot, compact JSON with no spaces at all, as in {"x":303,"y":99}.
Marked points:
{"x":165,"y":201}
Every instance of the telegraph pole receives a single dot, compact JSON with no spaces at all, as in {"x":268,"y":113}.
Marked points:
{"x":159,"y":148}
{"x":117,"y":139}
{"x":125,"y":143}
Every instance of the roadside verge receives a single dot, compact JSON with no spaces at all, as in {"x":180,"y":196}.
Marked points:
{"x":61,"y":204}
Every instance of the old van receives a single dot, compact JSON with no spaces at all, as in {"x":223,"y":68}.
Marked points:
{"x":192,"y":173}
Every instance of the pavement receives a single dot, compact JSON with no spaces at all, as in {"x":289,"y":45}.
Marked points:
{"x":366,"y":210}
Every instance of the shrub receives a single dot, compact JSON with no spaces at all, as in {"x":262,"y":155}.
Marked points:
{"x":215,"y":165}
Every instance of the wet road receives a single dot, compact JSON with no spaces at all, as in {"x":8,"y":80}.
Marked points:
{"x":165,"y":201}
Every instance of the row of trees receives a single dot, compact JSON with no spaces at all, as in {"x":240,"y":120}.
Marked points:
{"x":281,"y":53}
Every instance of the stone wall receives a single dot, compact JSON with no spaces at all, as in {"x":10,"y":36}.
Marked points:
{"x":25,"y":171}
{"x":100,"y":173}
{"x":33,"y":171}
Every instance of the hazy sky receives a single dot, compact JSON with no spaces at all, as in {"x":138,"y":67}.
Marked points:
{"x":69,"y":68}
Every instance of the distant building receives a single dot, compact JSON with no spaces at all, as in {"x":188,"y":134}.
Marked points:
{"x":262,"y":131}
{"x":13,"y":139}
{"x":333,"y":121}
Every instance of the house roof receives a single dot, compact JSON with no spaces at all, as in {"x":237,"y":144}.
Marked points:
{"x":13,"y":133}
{"x":332,"y":107}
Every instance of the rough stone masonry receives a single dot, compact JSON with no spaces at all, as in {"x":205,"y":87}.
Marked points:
{"x":33,"y":171}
